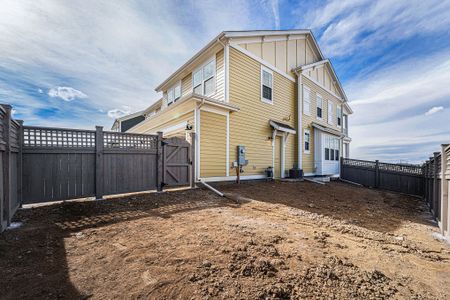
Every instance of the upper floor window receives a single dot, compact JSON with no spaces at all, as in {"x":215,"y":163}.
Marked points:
{"x":306,"y":138}
{"x":203,"y":79}
{"x":306,"y":101}
{"x":344,"y":121}
{"x":319,"y":106}
{"x":339,"y":116}
{"x":330,"y":112}
{"x":174,"y":93}
{"x":266,"y":85}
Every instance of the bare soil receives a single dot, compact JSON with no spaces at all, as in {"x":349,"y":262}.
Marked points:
{"x":271,"y":240}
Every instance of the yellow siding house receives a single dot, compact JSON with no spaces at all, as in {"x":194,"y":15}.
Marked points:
{"x":271,"y":92}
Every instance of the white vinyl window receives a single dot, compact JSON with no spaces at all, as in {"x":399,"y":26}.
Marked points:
{"x":266,"y":85}
{"x":306,"y":101}
{"x":306,"y":141}
{"x":203,"y":79}
{"x":339,"y":116}
{"x":332,"y":146}
{"x":330,"y":112}
{"x":174,"y":93}
{"x":319,"y":107}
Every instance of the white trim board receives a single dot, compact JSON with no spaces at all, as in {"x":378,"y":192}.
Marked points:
{"x":231,"y":178}
{"x":263,"y":62}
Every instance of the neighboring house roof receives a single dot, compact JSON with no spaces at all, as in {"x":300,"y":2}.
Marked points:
{"x":138,"y":113}
{"x":217,"y":41}
{"x":330,"y":65}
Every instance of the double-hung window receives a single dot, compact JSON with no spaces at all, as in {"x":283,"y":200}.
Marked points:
{"x":306,"y":101}
{"x":203,"y":79}
{"x":330,"y":112}
{"x":266,"y":85}
{"x":174,"y":93}
{"x":307,"y":140}
{"x":339,"y":116}
{"x":319,"y":106}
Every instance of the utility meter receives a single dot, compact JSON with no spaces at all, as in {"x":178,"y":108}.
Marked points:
{"x":241,"y":156}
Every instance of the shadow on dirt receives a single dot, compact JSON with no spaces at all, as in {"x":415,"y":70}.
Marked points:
{"x":372,"y":209}
{"x":33,"y":262}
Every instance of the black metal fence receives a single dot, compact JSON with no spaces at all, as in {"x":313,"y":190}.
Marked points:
{"x":408,"y":179}
{"x":42,"y":164}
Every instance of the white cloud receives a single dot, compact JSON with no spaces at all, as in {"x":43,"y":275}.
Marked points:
{"x":434,"y":110}
{"x":40,"y":91}
{"x":350,"y":25}
{"x":66,"y":93}
{"x":117,"y":112}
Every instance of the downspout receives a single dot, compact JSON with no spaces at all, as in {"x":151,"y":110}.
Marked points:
{"x":299,"y":118}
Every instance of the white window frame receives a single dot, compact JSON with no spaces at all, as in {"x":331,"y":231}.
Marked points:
{"x":172,"y":90}
{"x":306,"y":131}
{"x":202,"y":84}
{"x":339,"y":115}
{"x":308,"y":113}
{"x":330,"y":110}
{"x":264,"y":69}
{"x":318,"y":96}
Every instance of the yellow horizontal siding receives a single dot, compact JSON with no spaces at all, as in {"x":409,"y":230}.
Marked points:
{"x":250,"y":125}
{"x":213,"y":134}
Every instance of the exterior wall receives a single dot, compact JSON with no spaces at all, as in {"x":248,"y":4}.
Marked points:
{"x":186,"y":81}
{"x":284,"y":54}
{"x":250,"y":125}
{"x":175,"y":114}
{"x":213,"y":135}
{"x":308,"y":159}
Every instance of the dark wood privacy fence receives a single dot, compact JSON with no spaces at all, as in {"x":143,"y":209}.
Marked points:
{"x":408,"y":179}
{"x":10,"y":166}
{"x":41,"y":164}
{"x":437,"y":187}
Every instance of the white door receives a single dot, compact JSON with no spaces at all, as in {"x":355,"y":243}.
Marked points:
{"x":331,"y":154}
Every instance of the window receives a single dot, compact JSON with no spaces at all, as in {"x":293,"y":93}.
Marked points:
{"x":332,"y":148}
{"x":319,"y":106}
{"x":339,"y":116}
{"x":266,"y":85}
{"x":174,"y":93}
{"x":330,"y":112}
{"x":306,"y":101}
{"x":203,"y":79}
{"x":307,"y":138}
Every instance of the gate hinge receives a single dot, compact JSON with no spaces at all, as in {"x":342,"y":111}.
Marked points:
{"x":163,"y":143}
{"x":190,"y":162}
{"x":163,"y":184}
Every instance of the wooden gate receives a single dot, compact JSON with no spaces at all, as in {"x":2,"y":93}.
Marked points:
{"x":178,"y":162}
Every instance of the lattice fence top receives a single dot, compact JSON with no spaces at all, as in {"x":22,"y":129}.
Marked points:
{"x":359,"y":163}
{"x":399,"y":168}
{"x":58,"y":138}
{"x":118,"y":140}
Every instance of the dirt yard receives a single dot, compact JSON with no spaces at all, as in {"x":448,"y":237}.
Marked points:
{"x":279,"y":240}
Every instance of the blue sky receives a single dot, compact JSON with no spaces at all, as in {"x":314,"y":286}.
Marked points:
{"x":83,"y":63}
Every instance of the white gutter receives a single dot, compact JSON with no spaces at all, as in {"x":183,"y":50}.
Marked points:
{"x":299,"y":120}
{"x":211,"y":188}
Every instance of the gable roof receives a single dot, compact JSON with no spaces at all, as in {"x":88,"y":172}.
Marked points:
{"x":218,"y":41}
{"x":333,"y":73}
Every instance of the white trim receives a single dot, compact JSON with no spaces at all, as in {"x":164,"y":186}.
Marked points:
{"x":309,"y":174}
{"x":228,"y":146}
{"x":283,"y":155}
{"x":231,"y":178}
{"x":251,"y":33}
{"x":330,"y":117}
{"x":280,"y":128}
{"x":263,"y":62}
{"x":264,"y":69}
{"x":211,"y":59}
{"x":214,"y":110}
{"x":227,"y":72}
{"x":323,"y":87}
{"x":299,"y":125}
{"x":306,"y":130}
{"x":197,"y":141}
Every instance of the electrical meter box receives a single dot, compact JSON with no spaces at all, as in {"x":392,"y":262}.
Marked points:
{"x":241,"y":156}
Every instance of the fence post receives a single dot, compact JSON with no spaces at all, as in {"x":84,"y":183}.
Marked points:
{"x":377,"y":173}
{"x":99,"y":178}
{"x":7,"y":164}
{"x":159,"y":163}
{"x":192,"y":155}
{"x":20,"y":164}
{"x":341,"y":167}
{"x":443,"y":196}
{"x":436,"y":193}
